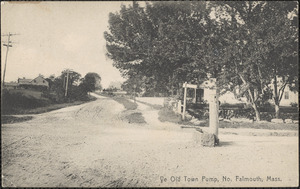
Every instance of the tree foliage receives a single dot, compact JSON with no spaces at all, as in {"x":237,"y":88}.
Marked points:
{"x":91,"y":82}
{"x":246,"y":45}
{"x":76,"y":90}
{"x":262,"y":46}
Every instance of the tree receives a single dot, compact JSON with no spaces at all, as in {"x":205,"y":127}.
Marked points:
{"x":91,"y":82}
{"x":244,"y":44}
{"x":133,"y":85}
{"x":73,"y":78}
{"x":258,"y":38}
{"x":281,"y":46}
{"x":58,"y":87}
{"x":155,"y":42}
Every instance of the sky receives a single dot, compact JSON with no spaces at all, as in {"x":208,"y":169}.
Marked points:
{"x":55,"y":36}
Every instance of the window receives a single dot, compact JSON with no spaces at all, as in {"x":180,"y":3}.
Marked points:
{"x":286,"y":95}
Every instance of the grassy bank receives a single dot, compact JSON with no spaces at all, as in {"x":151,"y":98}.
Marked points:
{"x":32,"y":101}
{"x":129,"y":114}
{"x":168,"y":115}
{"x":8,"y":119}
{"x":154,"y":106}
{"x":126,"y":103}
{"x":165,"y":114}
{"x":52,"y":107}
{"x":136,"y":117}
{"x":258,"y":125}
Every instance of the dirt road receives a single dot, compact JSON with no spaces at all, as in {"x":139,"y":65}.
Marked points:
{"x":89,"y":145}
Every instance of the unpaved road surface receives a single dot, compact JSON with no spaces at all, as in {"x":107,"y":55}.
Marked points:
{"x":90,"y":145}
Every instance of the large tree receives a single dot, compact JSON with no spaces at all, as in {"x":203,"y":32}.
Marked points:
{"x":158,"y":42}
{"x":261,"y":46}
{"x":279,"y":43}
{"x":91,"y":82}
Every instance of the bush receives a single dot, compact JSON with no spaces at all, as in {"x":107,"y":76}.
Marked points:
{"x":294,"y":104}
{"x":267,"y":116}
{"x":77,"y":93}
{"x":53,"y":97}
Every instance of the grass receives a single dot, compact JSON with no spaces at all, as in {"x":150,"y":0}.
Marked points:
{"x":9,"y":119}
{"x":168,"y":115}
{"x":27,"y":92}
{"x":135,"y":118}
{"x":43,"y":109}
{"x":154,"y":106}
{"x":14,"y":119}
{"x":126,"y":103}
{"x":50,"y":108}
{"x":257,"y":125}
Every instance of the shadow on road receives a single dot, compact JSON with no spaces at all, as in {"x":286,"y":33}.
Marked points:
{"x":226,"y":143}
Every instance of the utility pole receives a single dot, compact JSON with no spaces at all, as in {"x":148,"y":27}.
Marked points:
{"x":7,"y":44}
{"x":66,"y":91}
{"x":67,"y":82}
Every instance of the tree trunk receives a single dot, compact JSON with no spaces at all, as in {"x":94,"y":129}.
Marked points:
{"x":251,"y":100}
{"x":180,"y":89}
{"x":256,"y":112}
{"x":277,"y":110}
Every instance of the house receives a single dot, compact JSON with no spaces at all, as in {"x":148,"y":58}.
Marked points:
{"x":24,"y":81}
{"x":202,"y":93}
{"x":39,"y":81}
{"x":289,"y":97}
{"x":11,"y":85}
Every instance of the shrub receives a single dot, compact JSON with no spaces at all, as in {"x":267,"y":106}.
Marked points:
{"x":135,"y":118}
{"x":294,"y":104}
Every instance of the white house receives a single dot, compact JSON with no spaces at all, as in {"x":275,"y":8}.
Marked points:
{"x":288,"y":96}
{"x":205,"y":94}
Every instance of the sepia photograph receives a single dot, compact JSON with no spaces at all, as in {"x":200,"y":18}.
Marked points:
{"x":118,"y":94}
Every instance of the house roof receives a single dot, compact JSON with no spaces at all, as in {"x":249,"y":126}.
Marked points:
{"x":24,"y":81}
{"x":39,"y":77}
{"x":40,"y":80}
